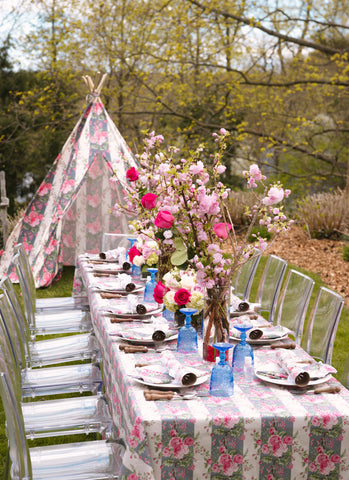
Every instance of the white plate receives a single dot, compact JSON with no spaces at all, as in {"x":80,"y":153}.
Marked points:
{"x":263,"y":340}
{"x":169,"y":385}
{"x":287,"y":383}
{"x":119,"y":291}
{"x":107,"y":267}
{"x":152,"y":309}
{"x":141,"y":340}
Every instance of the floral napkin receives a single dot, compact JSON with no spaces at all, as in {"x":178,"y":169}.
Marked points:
{"x":183,"y":374}
{"x":302,"y":373}
{"x":117,"y":254}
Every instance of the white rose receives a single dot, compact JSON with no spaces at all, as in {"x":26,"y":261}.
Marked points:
{"x":170,"y":281}
{"x":138,"y":260}
{"x":187,"y":281}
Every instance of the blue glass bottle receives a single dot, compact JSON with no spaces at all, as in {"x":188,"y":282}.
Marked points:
{"x":187,"y":337}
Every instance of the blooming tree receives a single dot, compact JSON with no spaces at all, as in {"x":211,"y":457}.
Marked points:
{"x":182,"y":204}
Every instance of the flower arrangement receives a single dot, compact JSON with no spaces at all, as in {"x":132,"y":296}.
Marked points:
{"x":145,"y":251}
{"x":179,"y":289}
{"x":180,"y":203}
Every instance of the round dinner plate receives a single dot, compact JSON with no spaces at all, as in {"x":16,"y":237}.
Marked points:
{"x":145,"y":341}
{"x":108,"y":268}
{"x":108,"y":289}
{"x":168,"y":385}
{"x":122,"y":312}
{"x":287,"y":383}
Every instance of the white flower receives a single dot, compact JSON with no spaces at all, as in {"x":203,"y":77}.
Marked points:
{"x":170,"y":281}
{"x":168,"y":234}
{"x":196,"y":301}
{"x":169,"y":302}
{"x":138,"y":260}
{"x":188,"y":281}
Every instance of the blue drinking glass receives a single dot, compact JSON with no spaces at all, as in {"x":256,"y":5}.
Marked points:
{"x":132,"y":241}
{"x":187,"y":341}
{"x":222,"y":379}
{"x":241,"y":352}
{"x":150,"y":285}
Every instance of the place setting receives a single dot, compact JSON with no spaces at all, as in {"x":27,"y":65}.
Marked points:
{"x":122,"y":284}
{"x":259,"y":332}
{"x":291,"y":369}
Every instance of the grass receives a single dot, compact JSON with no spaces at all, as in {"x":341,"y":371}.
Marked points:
{"x":64,"y":288}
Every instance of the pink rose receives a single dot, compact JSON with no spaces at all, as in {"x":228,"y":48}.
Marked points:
{"x":132,"y":476}
{"x":164,"y":219}
{"x":132,"y":253}
{"x":265,"y":449}
{"x":189,"y":441}
{"x":159,"y":292}
{"x":222,"y":230}
{"x":149,"y":201}
{"x":238,"y":458}
{"x":182,"y":296}
{"x":287,"y":440}
{"x":132,"y":174}
{"x":335,"y":458}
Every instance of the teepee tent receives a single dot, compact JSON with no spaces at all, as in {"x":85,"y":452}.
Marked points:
{"x":72,"y":207}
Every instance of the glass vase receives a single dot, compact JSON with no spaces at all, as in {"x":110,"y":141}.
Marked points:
{"x":164,"y":265}
{"x":215,"y":320}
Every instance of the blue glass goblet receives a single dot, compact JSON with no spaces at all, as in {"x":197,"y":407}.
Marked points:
{"x":150,"y":285}
{"x":132,"y":241}
{"x":187,"y":341}
{"x":241,"y":352}
{"x":222,"y":379}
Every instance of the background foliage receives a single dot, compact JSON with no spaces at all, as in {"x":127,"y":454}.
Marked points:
{"x":275,"y":73}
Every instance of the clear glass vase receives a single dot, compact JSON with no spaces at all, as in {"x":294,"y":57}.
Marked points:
{"x":215,"y":320}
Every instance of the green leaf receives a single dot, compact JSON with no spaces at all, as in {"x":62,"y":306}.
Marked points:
{"x":179,"y":257}
{"x":179,"y":244}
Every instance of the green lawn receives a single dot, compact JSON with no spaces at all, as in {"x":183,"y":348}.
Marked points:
{"x":64,"y":288}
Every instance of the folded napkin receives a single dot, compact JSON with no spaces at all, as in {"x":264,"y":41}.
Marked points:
{"x":302,"y":373}
{"x":117,"y":254}
{"x":183,"y":375}
{"x":134,"y":306}
{"x":267,"y":332}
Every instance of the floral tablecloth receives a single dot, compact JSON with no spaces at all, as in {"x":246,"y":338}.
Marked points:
{"x":264,"y":432}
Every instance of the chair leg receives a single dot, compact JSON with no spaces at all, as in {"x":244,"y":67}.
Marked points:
{"x":7,"y":465}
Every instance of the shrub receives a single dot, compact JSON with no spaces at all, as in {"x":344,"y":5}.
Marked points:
{"x":323,"y":214}
{"x":237,"y":203}
{"x":346,"y":252}
{"x":259,"y":230}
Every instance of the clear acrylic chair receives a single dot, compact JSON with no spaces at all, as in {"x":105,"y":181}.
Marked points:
{"x":48,"y":304}
{"x":321,"y":329}
{"x":66,"y":416}
{"x":344,"y":378}
{"x":111,"y":241}
{"x":269,"y":286}
{"x":46,"y":381}
{"x":91,"y":460}
{"x":68,"y":321}
{"x":293,"y":303}
{"x":243,"y":280}
{"x":44,"y":352}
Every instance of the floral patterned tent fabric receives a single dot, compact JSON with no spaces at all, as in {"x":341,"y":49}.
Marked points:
{"x":72,"y":207}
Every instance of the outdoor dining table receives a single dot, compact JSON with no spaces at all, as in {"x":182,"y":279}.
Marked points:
{"x":265,"y":431}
